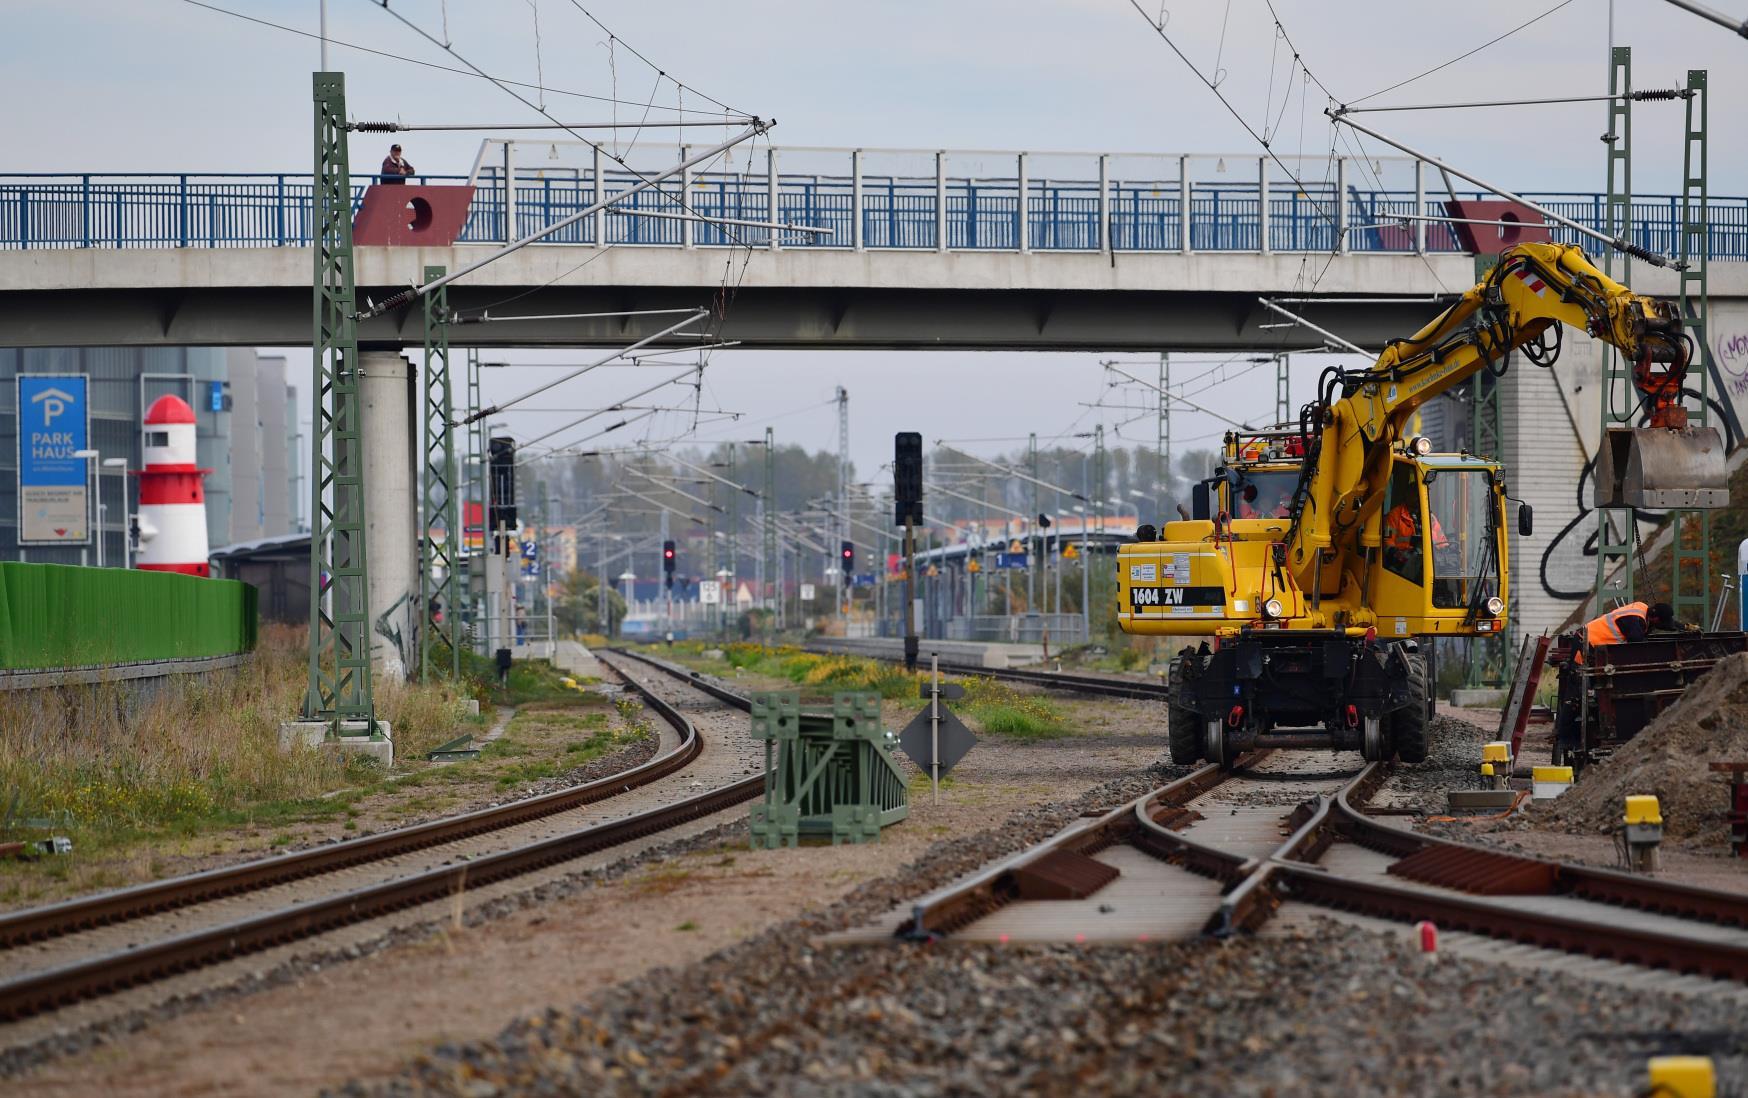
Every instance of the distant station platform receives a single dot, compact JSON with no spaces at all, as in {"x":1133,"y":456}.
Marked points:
{"x":962,"y":653}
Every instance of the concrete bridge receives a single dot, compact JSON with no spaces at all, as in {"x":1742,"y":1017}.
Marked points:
{"x":1109,"y":253}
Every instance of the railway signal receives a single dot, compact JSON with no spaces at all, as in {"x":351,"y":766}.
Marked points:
{"x":847,"y":559}
{"x":668,"y":564}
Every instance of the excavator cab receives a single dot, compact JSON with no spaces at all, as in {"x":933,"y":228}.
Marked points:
{"x":1441,"y":548}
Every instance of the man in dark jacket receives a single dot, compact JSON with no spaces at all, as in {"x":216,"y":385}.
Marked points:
{"x":395,"y":169}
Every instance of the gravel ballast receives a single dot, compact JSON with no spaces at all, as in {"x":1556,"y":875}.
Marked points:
{"x":1339,"y":1010}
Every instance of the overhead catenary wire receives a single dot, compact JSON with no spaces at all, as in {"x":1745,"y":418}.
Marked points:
{"x":537,"y":390}
{"x":645,"y":182}
{"x":1626,"y":246}
{"x":424,"y":64}
{"x":1159,"y":29}
{"x":616,"y":406}
{"x":1463,"y":56}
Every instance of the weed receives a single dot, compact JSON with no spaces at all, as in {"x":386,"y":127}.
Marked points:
{"x":687,"y":925}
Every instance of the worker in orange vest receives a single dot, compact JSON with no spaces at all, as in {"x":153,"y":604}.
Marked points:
{"x":1402,"y":539}
{"x":1629,"y":623}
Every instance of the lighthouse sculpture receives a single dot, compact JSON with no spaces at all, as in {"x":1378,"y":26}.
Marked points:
{"x":172,"y":493}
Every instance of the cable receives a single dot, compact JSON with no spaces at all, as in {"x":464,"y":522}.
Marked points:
{"x":1471,"y":53}
{"x":413,"y":60}
{"x":1159,"y":29}
{"x":611,"y":37}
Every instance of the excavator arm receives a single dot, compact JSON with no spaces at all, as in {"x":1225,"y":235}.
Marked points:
{"x":1533,"y":290}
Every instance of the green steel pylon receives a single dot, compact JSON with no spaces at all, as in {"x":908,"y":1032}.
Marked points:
{"x":1690,"y":579}
{"x":1616,"y":527}
{"x":439,"y":524}
{"x":476,"y":492}
{"x":339,"y":678}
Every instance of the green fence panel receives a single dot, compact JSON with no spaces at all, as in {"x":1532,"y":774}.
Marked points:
{"x":55,"y":616}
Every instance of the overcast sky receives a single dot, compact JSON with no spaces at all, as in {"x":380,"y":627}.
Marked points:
{"x":165,"y":85}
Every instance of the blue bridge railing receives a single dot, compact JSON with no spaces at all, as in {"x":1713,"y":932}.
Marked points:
{"x":865,"y":211}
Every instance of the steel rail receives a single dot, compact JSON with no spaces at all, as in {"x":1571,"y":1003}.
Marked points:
{"x":1054,"y":680}
{"x":1466,"y":867}
{"x":55,"y":988}
{"x":1290,"y":873}
{"x":947,"y":909}
{"x":121,"y":905}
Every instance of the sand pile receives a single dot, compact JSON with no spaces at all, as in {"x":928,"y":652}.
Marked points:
{"x":1669,"y":758}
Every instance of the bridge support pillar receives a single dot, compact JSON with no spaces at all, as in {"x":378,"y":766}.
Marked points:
{"x":385,"y":388}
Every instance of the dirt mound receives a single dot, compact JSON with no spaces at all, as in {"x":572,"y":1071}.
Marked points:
{"x":1670,"y":758}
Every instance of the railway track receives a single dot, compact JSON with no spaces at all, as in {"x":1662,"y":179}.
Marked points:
{"x":101,"y":972}
{"x":1336,"y":856}
{"x":1098,"y":685}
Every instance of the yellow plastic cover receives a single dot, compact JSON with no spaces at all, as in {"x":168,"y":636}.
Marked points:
{"x":1683,"y":1076}
{"x":1496,"y":752}
{"x":1643,"y":809}
{"x":1550,"y":774}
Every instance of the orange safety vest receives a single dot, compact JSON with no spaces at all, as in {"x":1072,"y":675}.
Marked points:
{"x":1604,"y":630}
{"x":1400,"y":530}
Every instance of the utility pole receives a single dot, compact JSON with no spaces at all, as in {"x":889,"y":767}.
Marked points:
{"x":1085,"y":556}
{"x":440,"y":536}
{"x":339,"y":692}
{"x":772,"y":567}
{"x":1161,"y":502}
{"x":843,"y":523}
{"x":1033,"y":547}
{"x":1101,"y":479}
{"x":733,"y":535}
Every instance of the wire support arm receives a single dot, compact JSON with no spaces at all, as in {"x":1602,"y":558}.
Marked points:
{"x":417,"y":127}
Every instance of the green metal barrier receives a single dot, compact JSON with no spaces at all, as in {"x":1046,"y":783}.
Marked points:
{"x":63,"y":616}
{"x":825,"y":773}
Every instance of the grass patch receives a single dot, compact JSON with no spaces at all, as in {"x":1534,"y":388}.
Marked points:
{"x":199,"y":754}
{"x":576,"y":753}
{"x":823,"y":673}
{"x":998,"y":709}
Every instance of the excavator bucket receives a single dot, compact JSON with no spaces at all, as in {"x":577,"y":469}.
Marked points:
{"x":1661,"y":468}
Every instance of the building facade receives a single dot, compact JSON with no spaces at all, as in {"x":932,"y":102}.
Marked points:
{"x":247,"y":429}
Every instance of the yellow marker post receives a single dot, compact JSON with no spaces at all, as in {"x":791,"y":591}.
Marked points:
{"x":1642,"y":827}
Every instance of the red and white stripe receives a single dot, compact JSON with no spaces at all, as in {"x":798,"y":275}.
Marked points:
{"x":172,"y":492}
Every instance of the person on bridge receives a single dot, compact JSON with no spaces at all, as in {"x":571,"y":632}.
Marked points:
{"x":396,"y":168}
{"x":1629,"y":623}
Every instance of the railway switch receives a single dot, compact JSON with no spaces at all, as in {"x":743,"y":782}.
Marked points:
{"x":1642,"y":832}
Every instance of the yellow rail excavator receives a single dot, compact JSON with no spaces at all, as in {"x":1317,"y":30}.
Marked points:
{"x":1319,"y":556}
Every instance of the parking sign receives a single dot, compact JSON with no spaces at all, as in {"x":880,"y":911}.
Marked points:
{"x":53,"y":424}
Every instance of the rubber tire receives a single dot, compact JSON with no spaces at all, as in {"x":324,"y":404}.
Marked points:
{"x":1183,"y":733}
{"x":1409,"y":726}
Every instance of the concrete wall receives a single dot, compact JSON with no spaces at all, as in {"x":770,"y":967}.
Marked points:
{"x":244,"y":457}
{"x":270,"y":396}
